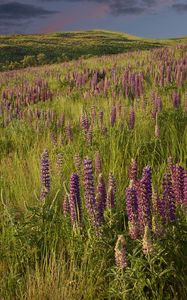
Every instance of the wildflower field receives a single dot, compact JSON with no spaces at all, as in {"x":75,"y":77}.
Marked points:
{"x":93,"y":178}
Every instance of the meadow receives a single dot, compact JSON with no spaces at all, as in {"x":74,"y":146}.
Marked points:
{"x":19,"y":51}
{"x":93,"y":178}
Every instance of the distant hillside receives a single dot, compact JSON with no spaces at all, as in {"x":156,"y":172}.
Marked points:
{"x":18,"y":51}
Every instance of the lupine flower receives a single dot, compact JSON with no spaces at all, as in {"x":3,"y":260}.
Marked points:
{"x":131,"y":122}
{"x":132,"y":211}
{"x":178,"y":183}
{"x":147,"y":241}
{"x":133,"y":171}
{"x":98,"y":164}
{"x":66,"y":206}
{"x":45,"y":176}
{"x":75,"y":200}
{"x":120,"y":253}
{"x":89,"y":191}
{"x":101,"y":189}
{"x":144,"y":198}
{"x":185,"y":187}
{"x":168,"y":197}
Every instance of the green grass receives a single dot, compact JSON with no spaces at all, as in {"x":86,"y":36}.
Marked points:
{"x":59,"y":47}
{"x":41,"y":256}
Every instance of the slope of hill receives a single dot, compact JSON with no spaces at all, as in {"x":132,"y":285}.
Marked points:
{"x":27,"y":50}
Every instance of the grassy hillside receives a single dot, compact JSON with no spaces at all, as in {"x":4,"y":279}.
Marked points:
{"x":59,"y":47}
{"x":93,"y":178}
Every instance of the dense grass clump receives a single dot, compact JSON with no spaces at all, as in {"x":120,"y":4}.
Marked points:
{"x":93,"y":178}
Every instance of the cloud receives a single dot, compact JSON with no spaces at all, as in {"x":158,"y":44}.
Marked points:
{"x":180,"y":8}
{"x":126,"y":7}
{"x":16,"y":17}
{"x":17,"y":11}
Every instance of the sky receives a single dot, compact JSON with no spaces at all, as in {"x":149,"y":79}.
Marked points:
{"x":146,"y":18}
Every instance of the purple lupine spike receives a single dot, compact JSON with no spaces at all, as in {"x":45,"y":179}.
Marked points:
{"x":45,"y":174}
{"x":89,"y":191}
{"x":133,"y":171}
{"x":185,"y":187}
{"x":131,"y":121}
{"x":101,"y":189}
{"x":178,"y":183}
{"x":132,"y":211}
{"x":120,"y":253}
{"x":75,"y":200}
{"x":66,"y":206}
{"x":113,"y":116}
{"x":77,"y":161}
{"x":97,"y":161}
{"x":169,"y":197}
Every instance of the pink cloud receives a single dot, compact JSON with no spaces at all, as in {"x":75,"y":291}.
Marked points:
{"x":62,"y":20}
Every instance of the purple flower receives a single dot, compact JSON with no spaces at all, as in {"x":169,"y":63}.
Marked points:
{"x":132,"y":211}
{"x":178,"y":183}
{"x":133,"y":171}
{"x":89,"y":192}
{"x":75,"y":200}
{"x":185,"y":187}
{"x":101,"y":189}
{"x":45,"y":176}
